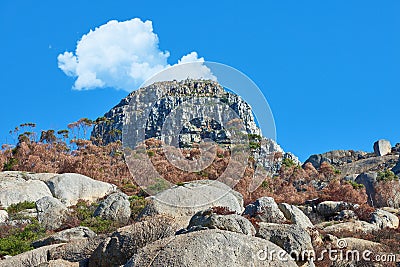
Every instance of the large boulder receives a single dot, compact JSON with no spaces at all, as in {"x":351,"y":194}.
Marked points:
{"x":295,"y":215}
{"x":29,"y":258}
{"x":292,"y":238}
{"x":368,"y":180}
{"x":51,"y":212}
{"x":384,"y":219}
{"x":229,"y":222}
{"x":265,"y":209}
{"x":70,"y":187}
{"x":331,"y":208}
{"x":211,"y":248}
{"x":360,"y":227}
{"x":382,"y":147}
{"x":15,"y":188}
{"x":77,"y":250}
{"x":115,"y":207}
{"x":117,"y":249}
{"x":65,"y":236}
{"x":182,"y":202}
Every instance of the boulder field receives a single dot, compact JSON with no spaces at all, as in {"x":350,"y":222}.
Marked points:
{"x":198,"y":223}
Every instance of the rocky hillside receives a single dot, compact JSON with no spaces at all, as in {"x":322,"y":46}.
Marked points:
{"x":376,"y":171}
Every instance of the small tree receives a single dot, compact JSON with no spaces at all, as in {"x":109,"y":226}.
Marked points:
{"x":85,"y":124}
{"x":64,"y":134}
{"x":29,"y":128}
{"x":48,"y":137}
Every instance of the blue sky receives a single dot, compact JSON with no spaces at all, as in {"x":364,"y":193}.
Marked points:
{"x":329,"y":69}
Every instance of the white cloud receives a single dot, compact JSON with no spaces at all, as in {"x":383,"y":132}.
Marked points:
{"x":192,"y":57}
{"x":123,"y":55}
{"x":67,"y":63}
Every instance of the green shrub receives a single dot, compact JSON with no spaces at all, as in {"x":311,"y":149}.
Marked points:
{"x":137,"y":204}
{"x":129,"y":188}
{"x":100,"y":225}
{"x":150,"y":153}
{"x":254,"y":137}
{"x":254,"y":145}
{"x":356,"y":185}
{"x":202,"y":173}
{"x":19,"y":240}
{"x":254,"y":141}
{"x":224,"y":99}
{"x":288,"y":162}
{"x":386,"y":176}
{"x":180,"y":184}
{"x":336,"y":171}
{"x":9,"y":164}
{"x":159,"y":185}
{"x":265,"y":184}
{"x":84,"y":210}
{"x":15,"y":208}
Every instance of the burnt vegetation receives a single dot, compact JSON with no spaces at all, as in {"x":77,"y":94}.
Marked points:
{"x":70,"y":151}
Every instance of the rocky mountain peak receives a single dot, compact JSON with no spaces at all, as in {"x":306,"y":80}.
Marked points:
{"x":163,"y":97}
{"x":148,"y":108}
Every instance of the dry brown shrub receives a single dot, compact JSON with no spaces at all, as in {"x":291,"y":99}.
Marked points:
{"x":293,"y":185}
{"x":254,"y":221}
{"x":343,"y":191}
{"x":388,"y":194}
{"x":105,"y":163}
{"x":327,"y":172}
{"x":364,"y":212}
{"x":222,"y":210}
{"x":2,"y":160}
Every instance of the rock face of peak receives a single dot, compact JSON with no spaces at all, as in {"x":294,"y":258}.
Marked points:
{"x":148,"y":109}
{"x":163,"y":98}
